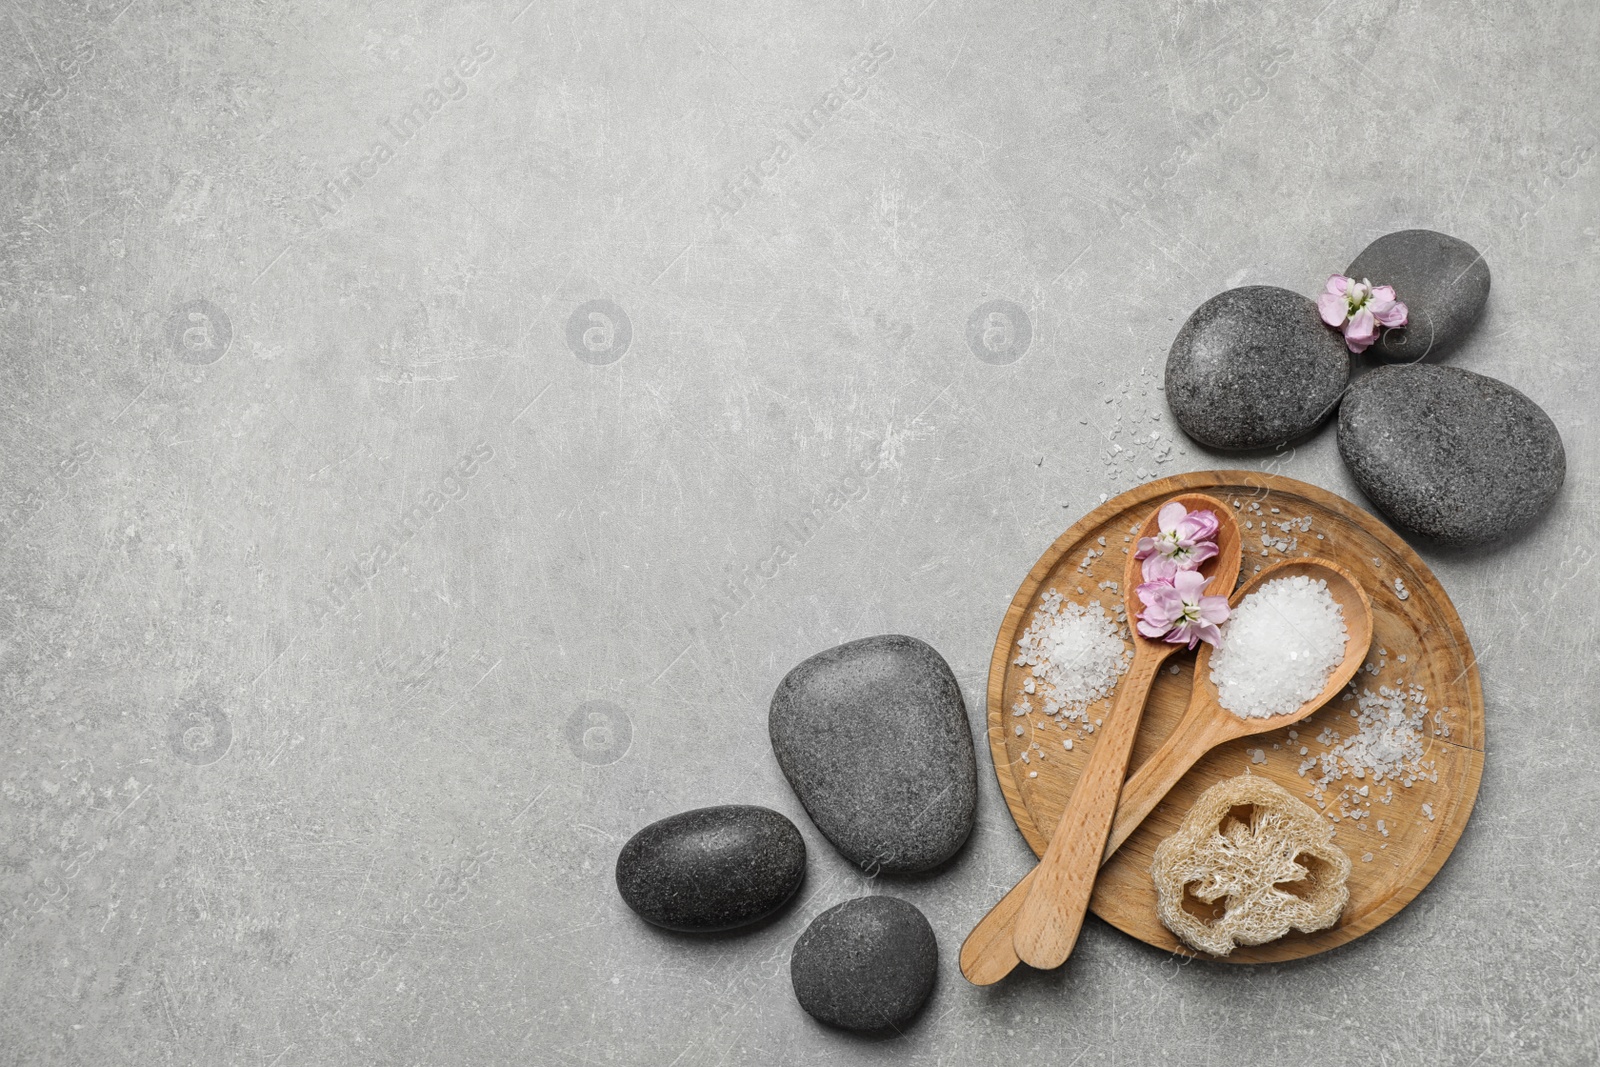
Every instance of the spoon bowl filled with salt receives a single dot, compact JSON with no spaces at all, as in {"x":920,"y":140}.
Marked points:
{"x":1297,"y":633}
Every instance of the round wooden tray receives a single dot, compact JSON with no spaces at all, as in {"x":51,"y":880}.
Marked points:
{"x":1421,"y":626}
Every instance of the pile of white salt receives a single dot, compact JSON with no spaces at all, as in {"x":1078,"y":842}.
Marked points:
{"x":1076,"y":653}
{"x":1278,"y":647}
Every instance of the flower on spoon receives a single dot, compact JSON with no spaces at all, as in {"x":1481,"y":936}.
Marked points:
{"x":1185,"y":542}
{"x":1357,"y":309}
{"x":1178,"y":611}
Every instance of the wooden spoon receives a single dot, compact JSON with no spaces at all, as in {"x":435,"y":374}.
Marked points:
{"x":988,"y":954}
{"x":1047,"y":924}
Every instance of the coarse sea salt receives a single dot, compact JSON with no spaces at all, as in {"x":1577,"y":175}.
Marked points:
{"x":1077,"y":653}
{"x":1278,"y":647}
{"x":1386,"y":748}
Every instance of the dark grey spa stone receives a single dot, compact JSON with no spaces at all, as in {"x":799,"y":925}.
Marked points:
{"x":1442,"y":281}
{"x":712,"y":868}
{"x":868,"y":964}
{"x":873,"y":736}
{"x":1449,"y":454}
{"x":1255,"y":367}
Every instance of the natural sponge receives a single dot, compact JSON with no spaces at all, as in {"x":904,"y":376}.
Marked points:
{"x":1248,"y":863}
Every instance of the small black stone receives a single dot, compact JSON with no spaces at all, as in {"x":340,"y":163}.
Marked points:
{"x":712,"y":868}
{"x":868,"y":964}
{"x":1442,"y":281}
{"x":874,"y":738}
{"x":1457,"y":457}
{"x":1255,"y":367}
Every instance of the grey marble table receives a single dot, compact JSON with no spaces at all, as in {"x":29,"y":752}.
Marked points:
{"x":430,"y":430}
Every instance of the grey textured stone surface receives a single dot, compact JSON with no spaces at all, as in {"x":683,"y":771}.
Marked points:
{"x":874,"y":738}
{"x":867,"y":964}
{"x":1255,"y":367}
{"x":236,"y":830}
{"x":716,"y":868}
{"x":1455,"y":456}
{"x":1442,"y":280}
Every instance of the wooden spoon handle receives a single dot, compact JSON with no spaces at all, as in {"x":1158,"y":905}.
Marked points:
{"x":1194,"y":736}
{"x":1047,"y":925}
{"x":988,"y":955}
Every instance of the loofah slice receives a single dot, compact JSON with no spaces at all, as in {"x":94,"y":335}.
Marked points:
{"x":1249,"y":863}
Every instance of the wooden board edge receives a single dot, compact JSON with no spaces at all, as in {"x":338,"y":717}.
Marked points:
{"x":1454,"y":822}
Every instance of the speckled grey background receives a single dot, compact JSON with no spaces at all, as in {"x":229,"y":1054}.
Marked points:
{"x":357,"y":602}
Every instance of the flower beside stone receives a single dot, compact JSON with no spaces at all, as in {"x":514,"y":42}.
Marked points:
{"x":1357,"y":309}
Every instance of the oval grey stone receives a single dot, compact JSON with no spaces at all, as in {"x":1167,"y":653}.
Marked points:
{"x":1442,"y":281}
{"x":868,"y":964}
{"x":1455,"y":456}
{"x":1255,"y":367}
{"x":874,"y":738}
{"x":712,"y":868}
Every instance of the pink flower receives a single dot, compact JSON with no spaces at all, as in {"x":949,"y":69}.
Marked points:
{"x":1179,"y":612}
{"x":1357,"y":309}
{"x":1185,"y":542}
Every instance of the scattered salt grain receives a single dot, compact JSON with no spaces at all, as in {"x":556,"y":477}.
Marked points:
{"x":1386,"y":747}
{"x":1077,"y":653}
{"x":1278,"y":647}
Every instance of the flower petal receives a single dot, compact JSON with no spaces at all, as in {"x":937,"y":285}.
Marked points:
{"x":1362,"y":328}
{"x":1333,"y":308}
{"x":1153,"y":629}
{"x":1188,"y":584}
{"x":1159,"y":569}
{"x":1383,"y":292}
{"x":1170,"y":515}
{"x":1394,"y":316}
{"x":1200,"y":525}
{"x":1158,"y":593}
{"x":1338,"y":284}
{"x":1214,"y":609}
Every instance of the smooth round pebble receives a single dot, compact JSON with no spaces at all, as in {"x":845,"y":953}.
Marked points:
{"x":712,"y":868}
{"x":1455,"y":456}
{"x":1255,"y":367}
{"x":868,"y":964}
{"x":874,"y":738}
{"x":1442,"y":281}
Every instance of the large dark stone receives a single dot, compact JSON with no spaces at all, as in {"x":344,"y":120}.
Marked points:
{"x":868,"y":964}
{"x":1255,"y":368}
{"x":1449,"y":454}
{"x":874,"y":738}
{"x":712,"y":868}
{"x":1442,"y":281}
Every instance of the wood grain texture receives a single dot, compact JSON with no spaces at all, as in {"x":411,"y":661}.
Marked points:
{"x":1207,"y":724}
{"x":1047,"y":925}
{"x":1422,"y":626}
{"x":989,"y":953}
